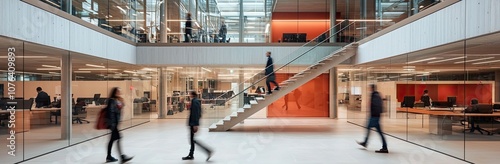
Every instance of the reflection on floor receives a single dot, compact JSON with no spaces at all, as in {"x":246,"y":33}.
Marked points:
{"x":276,"y":141}
{"x":45,"y":138}
{"x":477,"y":148}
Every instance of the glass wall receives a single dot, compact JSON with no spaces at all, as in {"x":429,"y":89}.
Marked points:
{"x":443,"y":98}
{"x":31,"y":105}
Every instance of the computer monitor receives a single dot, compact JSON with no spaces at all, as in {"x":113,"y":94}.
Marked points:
{"x":408,"y":101}
{"x":96,"y":97}
{"x":452,"y":101}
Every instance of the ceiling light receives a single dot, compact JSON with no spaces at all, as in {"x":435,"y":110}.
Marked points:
{"x":439,"y":61}
{"x":205,"y":69}
{"x":467,"y":61}
{"x":97,"y":66}
{"x":422,"y":60}
{"x":121,"y":9}
{"x":48,"y":69}
{"x":97,"y":69}
{"x":27,"y":57}
{"x":50,"y":66}
{"x":129,"y":71}
{"x":81,"y":71}
{"x":485,"y":62}
{"x":54,"y":73}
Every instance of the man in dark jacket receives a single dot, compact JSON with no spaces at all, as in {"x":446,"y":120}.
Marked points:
{"x":194,"y":123}
{"x":42,"y":98}
{"x":189,"y":28}
{"x":374,"y":121}
{"x":271,"y":78}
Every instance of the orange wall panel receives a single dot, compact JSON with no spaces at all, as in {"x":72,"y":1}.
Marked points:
{"x":309,"y":100}
{"x":440,"y":92}
{"x":313,"y":24}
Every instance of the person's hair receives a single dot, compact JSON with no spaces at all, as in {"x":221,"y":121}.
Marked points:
{"x":269,"y":52}
{"x":373,"y":87}
{"x":189,"y":15}
{"x":426,"y":91}
{"x":113,"y":92}
{"x":193,"y":93}
{"x":474,"y":101}
{"x":39,"y":89}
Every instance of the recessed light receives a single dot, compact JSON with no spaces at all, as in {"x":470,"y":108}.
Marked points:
{"x":468,"y":61}
{"x":485,"y":62}
{"x":439,"y":61}
{"x":97,"y":66}
{"x":422,"y":60}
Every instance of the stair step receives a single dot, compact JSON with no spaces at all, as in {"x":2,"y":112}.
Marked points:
{"x":220,"y":122}
{"x":234,"y":114}
{"x":227,"y":118}
{"x":259,"y":98}
{"x":247,"y":106}
{"x":212,"y":127}
{"x":241,"y":110}
{"x":253,"y":102}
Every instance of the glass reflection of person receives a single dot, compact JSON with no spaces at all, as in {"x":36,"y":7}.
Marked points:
{"x":296,"y":94}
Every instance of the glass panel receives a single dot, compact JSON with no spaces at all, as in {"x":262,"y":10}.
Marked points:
{"x":230,"y":12}
{"x":45,"y":130}
{"x":89,"y":95}
{"x":14,"y":120}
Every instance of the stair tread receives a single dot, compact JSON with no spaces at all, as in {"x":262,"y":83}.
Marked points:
{"x":227,"y":118}
{"x":220,"y":122}
{"x":234,"y":114}
{"x":247,"y":106}
{"x":213,"y":126}
{"x":241,"y":110}
{"x":253,"y":102}
{"x":259,"y":98}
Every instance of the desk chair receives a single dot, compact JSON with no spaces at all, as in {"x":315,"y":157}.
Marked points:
{"x":474,"y":121}
{"x":79,"y":114}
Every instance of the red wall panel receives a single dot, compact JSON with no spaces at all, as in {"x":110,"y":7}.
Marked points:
{"x":309,"y":100}
{"x":440,"y":92}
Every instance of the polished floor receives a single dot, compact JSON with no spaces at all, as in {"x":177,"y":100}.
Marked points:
{"x":273,"y":141}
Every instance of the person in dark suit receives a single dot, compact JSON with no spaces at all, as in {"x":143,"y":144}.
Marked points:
{"x":42,"y":98}
{"x":426,"y":99}
{"x":374,"y":121}
{"x":189,"y":29}
{"x":113,"y":115}
{"x":194,"y":123}
{"x":271,"y":77}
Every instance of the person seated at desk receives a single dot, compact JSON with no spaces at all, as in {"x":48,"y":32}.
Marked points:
{"x":42,"y":99}
{"x":253,"y":90}
{"x":426,"y":99}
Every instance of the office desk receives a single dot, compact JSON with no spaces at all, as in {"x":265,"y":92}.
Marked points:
{"x":21,"y":116}
{"x":440,"y":120}
{"x":43,"y":110}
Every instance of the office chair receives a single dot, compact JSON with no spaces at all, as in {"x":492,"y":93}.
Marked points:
{"x":79,"y":114}
{"x":475,"y":120}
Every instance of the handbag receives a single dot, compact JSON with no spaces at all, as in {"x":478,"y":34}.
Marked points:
{"x":101,"y":119}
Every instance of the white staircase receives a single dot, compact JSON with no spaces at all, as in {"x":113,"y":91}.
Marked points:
{"x":286,"y":87}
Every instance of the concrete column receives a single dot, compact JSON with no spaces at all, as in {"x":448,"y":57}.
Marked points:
{"x":66,"y":117}
{"x":163,"y":22}
{"x":363,"y":17}
{"x":242,"y":22}
{"x":497,"y":86}
{"x":241,"y":87}
{"x":333,"y":93}
{"x":162,"y":93}
{"x":333,"y":20}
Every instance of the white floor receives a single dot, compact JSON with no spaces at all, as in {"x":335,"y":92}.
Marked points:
{"x":273,"y":141}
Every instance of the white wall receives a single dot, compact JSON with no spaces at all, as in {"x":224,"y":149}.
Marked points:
{"x":226,"y":55}
{"x":28,"y":23}
{"x":464,"y":19}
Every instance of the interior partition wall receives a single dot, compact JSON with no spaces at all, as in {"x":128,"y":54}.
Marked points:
{"x":458,"y":78}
